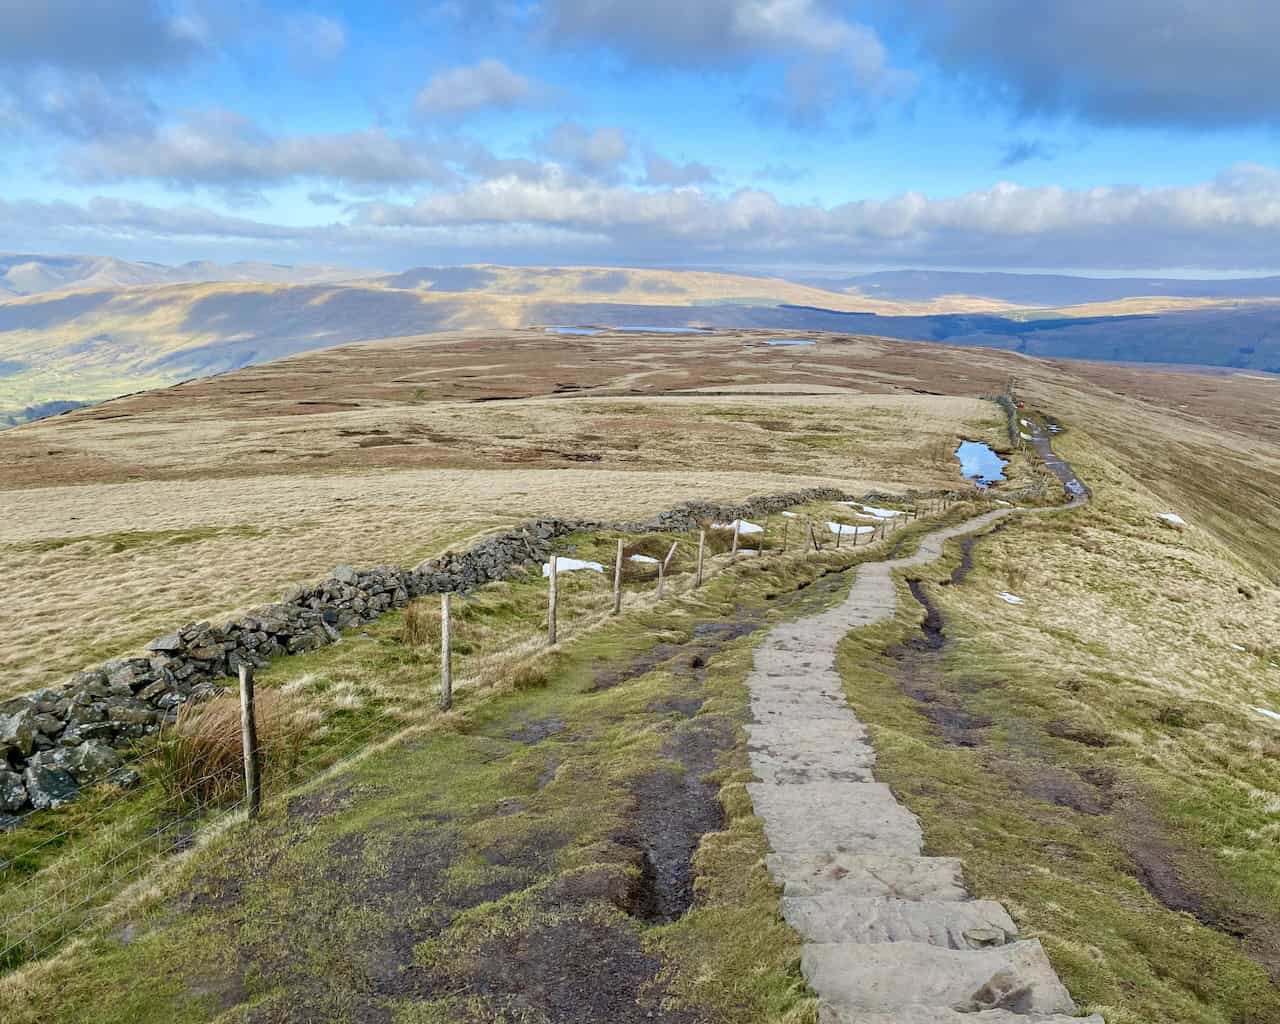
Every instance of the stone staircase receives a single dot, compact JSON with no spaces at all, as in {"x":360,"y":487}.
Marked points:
{"x":890,"y":936}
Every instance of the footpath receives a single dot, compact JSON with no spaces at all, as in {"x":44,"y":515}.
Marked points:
{"x":890,"y":936}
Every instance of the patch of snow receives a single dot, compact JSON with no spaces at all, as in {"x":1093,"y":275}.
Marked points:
{"x":792,"y":515}
{"x":1237,"y":647}
{"x":743,"y":526}
{"x":644,"y":558}
{"x":849,"y":531}
{"x":881,"y":513}
{"x":1171,"y":517}
{"x":1024,"y":423}
{"x":1268,"y":712}
{"x":570,"y":565}
{"x":1008,"y":598}
{"x":1025,"y":436}
{"x":1006,"y":504}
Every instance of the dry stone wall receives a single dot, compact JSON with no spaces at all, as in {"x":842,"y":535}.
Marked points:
{"x":55,"y":740}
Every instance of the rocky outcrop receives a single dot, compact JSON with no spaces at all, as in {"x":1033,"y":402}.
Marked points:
{"x":55,"y":740}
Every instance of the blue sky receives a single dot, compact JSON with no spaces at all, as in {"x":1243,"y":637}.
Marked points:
{"x":1091,"y":136}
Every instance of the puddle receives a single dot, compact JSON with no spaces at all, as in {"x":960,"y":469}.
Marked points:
{"x":979,"y":463}
{"x":790,"y":342}
{"x":664,"y":330}
{"x":585,"y":331}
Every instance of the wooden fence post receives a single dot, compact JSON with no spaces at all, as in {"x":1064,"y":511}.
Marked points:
{"x":249,"y":735}
{"x":551,"y":603}
{"x":662,"y":575}
{"x":814,"y":537}
{"x":785,"y":524}
{"x":702,"y":543}
{"x":737,"y":525}
{"x":446,"y":654}
{"x":617,"y":580}
{"x":839,"y":534}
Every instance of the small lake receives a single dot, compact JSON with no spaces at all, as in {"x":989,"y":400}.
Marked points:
{"x":573,"y":330}
{"x":979,"y":463}
{"x":789,"y":342}
{"x":665,"y":330}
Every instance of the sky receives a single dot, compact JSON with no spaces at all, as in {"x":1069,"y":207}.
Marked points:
{"x":1083,"y":136}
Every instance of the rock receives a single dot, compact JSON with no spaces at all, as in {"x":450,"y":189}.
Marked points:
{"x":149,"y":693}
{"x":16,"y":734}
{"x":206,"y":652}
{"x":170,"y":643}
{"x":13,"y":794}
{"x":131,"y":715}
{"x":9,"y":822}
{"x":125,"y":778}
{"x":89,"y":761}
{"x":48,"y":788}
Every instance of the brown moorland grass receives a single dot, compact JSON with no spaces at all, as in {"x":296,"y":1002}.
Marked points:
{"x":121,"y":522}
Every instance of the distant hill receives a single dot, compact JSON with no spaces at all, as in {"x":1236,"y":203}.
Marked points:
{"x":24,"y":274}
{"x":1043,"y":290}
{"x":71,"y":343}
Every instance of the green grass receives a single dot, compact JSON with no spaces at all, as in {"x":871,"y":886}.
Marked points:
{"x":449,"y":769}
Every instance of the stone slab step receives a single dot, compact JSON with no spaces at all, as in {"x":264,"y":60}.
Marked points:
{"x":824,"y":749}
{"x":819,"y":733}
{"x":892,"y":976}
{"x":869,"y":876}
{"x":950,"y":924}
{"x":836,"y":817}
{"x":939,"y":1015}
{"x":803,"y":707}
{"x":795,"y":773}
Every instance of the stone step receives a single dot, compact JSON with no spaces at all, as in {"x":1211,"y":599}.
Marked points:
{"x":836,"y":817}
{"x":950,"y":924}
{"x":844,"y":750}
{"x":804,"y":707}
{"x":781,"y":772}
{"x":939,"y":1015}
{"x":820,"y":733}
{"x":891,"y":976}
{"x":865,"y":876}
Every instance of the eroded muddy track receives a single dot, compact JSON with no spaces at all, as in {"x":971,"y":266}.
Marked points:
{"x":891,"y":936}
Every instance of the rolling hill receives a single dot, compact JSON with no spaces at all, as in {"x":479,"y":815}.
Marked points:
{"x":94,"y":329}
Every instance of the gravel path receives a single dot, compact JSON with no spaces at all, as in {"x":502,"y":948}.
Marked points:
{"x":890,"y":936}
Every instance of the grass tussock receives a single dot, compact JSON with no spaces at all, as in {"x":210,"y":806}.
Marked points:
{"x":514,"y":675}
{"x":203,"y":761}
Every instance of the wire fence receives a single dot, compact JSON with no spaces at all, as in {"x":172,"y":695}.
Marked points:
{"x":74,"y":893}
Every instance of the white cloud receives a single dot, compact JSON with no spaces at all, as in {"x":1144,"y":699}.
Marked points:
{"x":1229,"y":222}
{"x":658,"y":170}
{"x":828,"y":57}
{"x":597,"y":152}
{"x":489,"y":84}
{"x":224,"y":149}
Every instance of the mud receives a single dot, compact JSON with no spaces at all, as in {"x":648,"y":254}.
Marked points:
{"x":537,"y":731}
{"x":920,"y":677}
{"x":961,"y":572}
{"x":671,"y":813}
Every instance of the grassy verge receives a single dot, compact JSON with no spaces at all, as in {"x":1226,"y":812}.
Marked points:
{"x":1092,"y":754}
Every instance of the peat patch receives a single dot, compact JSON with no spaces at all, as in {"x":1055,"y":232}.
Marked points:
{"x":672,"y":810}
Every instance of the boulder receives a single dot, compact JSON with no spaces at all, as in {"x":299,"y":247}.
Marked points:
{"x":13,"y":794}
{"x":48,"y":788}
{"x":16,"y":734}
